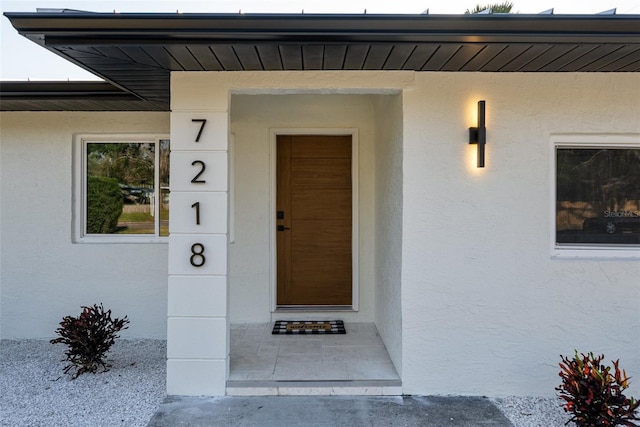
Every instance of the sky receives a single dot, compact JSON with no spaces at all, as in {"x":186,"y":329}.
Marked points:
{"x":21,"y":59}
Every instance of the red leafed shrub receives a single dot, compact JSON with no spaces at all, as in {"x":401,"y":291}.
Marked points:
{"x":593,"y":395}
{"x":89,"y":337}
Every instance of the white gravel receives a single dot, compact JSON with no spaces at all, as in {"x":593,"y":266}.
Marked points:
{"x":34,"y":392}
{"x":533,"y":411}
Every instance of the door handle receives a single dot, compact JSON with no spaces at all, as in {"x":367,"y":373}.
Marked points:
{"x":282,"y":228}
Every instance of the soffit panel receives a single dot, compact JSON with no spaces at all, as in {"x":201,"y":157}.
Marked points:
{"x":139,"y":68}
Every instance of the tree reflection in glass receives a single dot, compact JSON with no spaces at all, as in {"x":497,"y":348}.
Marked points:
{"x":120,"y":188}
{"x":164,"y":187}
{"x":598,"y":195}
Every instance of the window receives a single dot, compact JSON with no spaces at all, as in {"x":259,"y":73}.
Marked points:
{"x":597,"y":194}
{"x":122,"y":188}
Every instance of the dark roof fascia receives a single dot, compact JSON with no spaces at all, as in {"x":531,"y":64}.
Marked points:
{"x":76,"y":95}
{"x":60,"y":89}
{"x":52,"y":29}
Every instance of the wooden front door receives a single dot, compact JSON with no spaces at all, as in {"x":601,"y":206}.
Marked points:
{"x":314,"y":220}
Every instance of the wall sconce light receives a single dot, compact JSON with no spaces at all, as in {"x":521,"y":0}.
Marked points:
{"x":478,"y":135}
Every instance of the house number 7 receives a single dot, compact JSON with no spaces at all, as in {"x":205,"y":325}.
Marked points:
{"x":202,"y":123}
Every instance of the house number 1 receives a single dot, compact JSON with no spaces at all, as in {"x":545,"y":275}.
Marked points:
{"x":197,"y":258}
{"x":196,"y":206}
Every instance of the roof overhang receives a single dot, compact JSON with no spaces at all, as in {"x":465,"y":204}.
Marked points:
{"x":69,"y":96}
{"x":137,"y":52}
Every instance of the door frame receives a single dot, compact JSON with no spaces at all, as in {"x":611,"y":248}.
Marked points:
{"x":355,"y":235}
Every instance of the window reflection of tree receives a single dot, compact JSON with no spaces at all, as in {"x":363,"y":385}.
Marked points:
{"x":131,"y":164}
{"x":591,"y":182}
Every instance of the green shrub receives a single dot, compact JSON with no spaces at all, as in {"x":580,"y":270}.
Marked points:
{"x":104,"y":204}
{"x":593,"y":395}
{"x":89,"y":337}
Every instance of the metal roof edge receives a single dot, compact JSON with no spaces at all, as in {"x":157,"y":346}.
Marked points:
{"x":52,"y":29}
{"x":34,"y":21}
{"x":77,"y":13}
{"x":70,"y":96}
{"x":59,"y":88}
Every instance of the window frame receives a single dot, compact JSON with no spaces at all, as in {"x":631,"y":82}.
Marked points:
{"x":587,"y":141}
{"x":79,"y":201}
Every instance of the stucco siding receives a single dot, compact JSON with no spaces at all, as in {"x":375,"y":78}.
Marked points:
{"x":486,"y":309}
{"x":456,"y":266}
{"x":44,"y":275}
{"x":388,"y":230}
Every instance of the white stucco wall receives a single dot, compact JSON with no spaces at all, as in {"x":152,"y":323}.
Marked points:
{"x":486,"y":310}
{"x":388,"y":229}
{"x":44,"y":276}
{"x":252,"y":119}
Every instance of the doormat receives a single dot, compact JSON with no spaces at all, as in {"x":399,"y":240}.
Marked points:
{"x":308,"y":327}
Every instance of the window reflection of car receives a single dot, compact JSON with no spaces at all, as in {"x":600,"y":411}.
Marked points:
{"x":611,"y":225}
{"x":136,"y":195}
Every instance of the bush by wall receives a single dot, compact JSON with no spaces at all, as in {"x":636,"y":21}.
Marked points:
{"x":88,"y":338}
{"x":594,"y":393}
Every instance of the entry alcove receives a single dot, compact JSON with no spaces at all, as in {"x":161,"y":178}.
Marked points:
{"x":374,"y":122}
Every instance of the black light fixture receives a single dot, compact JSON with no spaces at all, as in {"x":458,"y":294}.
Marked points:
{"x":478,"y":135}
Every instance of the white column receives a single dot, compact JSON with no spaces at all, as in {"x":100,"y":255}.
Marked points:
{"x":197,"y":330}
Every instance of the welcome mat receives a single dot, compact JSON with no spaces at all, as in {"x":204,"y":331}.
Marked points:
{"x":309,"y":327}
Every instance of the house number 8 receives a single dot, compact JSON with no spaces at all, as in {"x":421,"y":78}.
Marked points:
{"x":197,"y":258}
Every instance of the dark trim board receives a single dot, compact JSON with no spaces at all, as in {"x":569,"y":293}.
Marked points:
{"x":68,"y":96}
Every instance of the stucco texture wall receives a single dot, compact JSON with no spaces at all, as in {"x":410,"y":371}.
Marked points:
{"x":486,"y":309}
{"x":388,"y":229}
{"x":44,"y":276}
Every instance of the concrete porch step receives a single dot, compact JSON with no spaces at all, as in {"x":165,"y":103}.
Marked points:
{"x":315,"y":388}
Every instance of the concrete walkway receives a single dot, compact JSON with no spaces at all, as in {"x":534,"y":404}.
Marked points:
{"x":324,"y":411}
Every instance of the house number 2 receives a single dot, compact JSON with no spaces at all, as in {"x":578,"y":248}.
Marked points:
{"x":197,"y":258}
